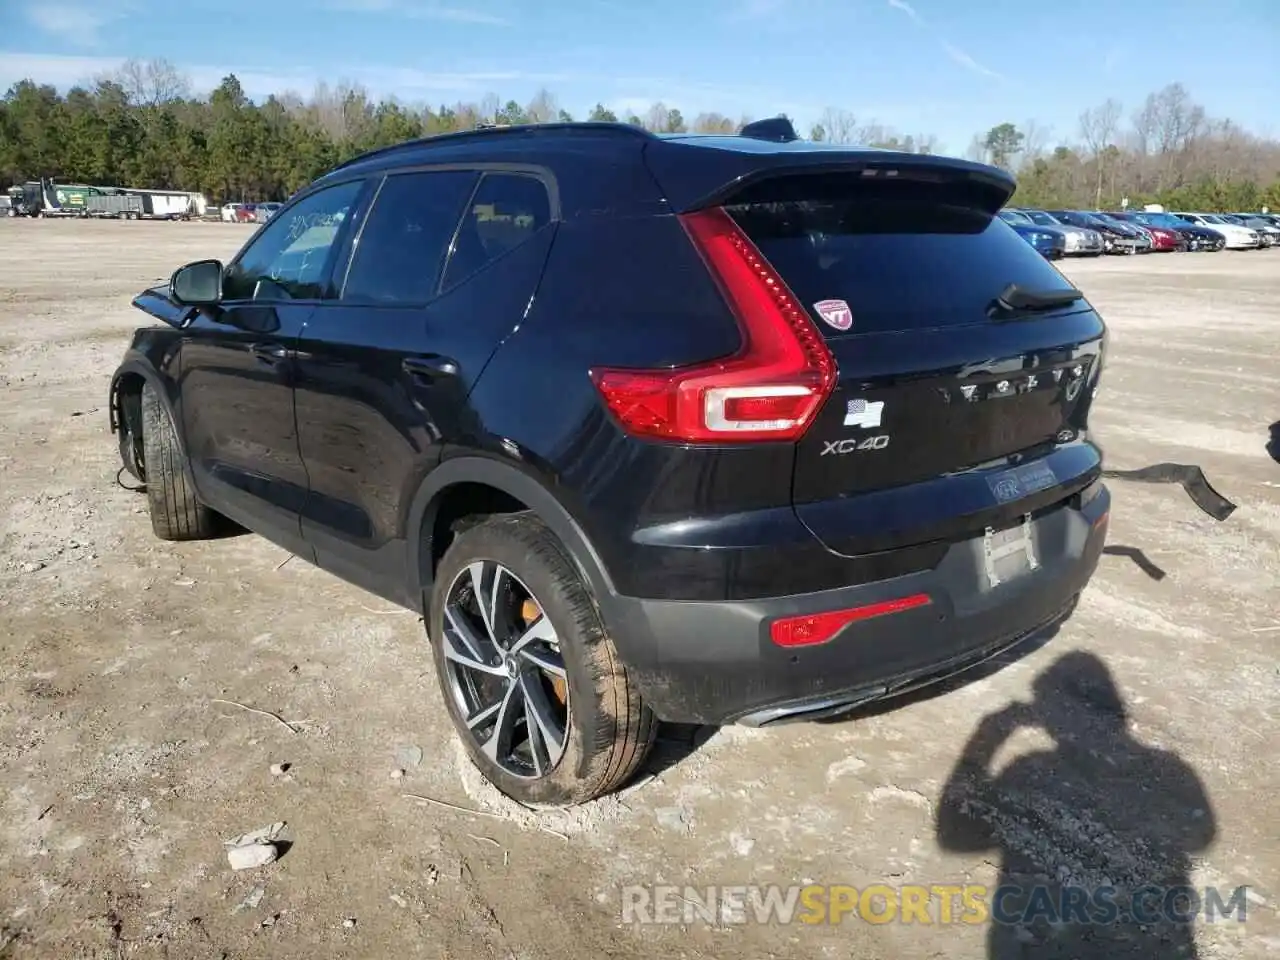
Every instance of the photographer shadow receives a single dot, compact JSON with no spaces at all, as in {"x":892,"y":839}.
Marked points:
{"x":1093,"y":820}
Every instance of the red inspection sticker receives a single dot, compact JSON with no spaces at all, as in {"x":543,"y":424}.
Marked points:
{"x":836,"y":313}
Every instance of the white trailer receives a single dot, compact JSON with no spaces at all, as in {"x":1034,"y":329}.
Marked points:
{"x":172,"y":204}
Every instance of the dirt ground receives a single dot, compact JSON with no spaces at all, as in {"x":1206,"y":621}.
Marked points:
{"x":121,"y":773}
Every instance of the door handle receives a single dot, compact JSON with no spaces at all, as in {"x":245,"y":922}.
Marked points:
{"x":430,"y":368}
{"x":269,"y":353}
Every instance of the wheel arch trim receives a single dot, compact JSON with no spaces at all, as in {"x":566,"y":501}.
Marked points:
{"x":516,"y":483}
{"x":137,"y":364}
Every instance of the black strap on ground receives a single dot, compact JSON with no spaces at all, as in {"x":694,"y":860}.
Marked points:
{"x":1190,"y":477}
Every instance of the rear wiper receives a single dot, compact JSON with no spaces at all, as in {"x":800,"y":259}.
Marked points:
{"x":1016,"y":299}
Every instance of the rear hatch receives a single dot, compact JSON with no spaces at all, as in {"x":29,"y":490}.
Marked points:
{"x":902,"y":271}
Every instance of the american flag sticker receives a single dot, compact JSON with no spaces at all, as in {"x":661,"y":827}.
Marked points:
{"x":860,"y":413}
{"x":836,"y":313}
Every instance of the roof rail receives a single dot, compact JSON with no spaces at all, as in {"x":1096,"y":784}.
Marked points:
{"x":491,"y":131}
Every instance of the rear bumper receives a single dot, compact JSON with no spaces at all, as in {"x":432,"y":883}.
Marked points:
{"x":715,"y":662}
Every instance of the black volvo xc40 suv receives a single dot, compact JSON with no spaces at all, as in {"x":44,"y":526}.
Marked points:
{"x":704,"y":429}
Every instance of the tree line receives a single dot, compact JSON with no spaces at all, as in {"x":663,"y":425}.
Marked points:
{"x":142,"y":126}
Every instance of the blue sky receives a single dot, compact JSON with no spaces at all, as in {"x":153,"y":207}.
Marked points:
{"x":946,"y":67}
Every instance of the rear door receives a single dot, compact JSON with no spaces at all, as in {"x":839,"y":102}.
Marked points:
{"x":442,"y":269}
{"x":935,"y":379}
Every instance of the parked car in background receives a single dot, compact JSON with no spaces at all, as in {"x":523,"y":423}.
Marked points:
{"x":229,"y":212}
{"x":1267,"y":231}
{"x":245,"y":213}
{"x":870,"y":477}
{"x":1196,"y":238}
{"x":1114,"y":240}
{"x":1081,"y":241}
{"x":262,"y":212}
{"x":1237,"y":237}
{"x":1163,"y":240}
{"x":1144,"y":241}
{"x":1050,"y":242}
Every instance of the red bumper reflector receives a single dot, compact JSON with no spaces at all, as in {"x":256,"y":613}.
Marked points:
{"x":811,"y":628}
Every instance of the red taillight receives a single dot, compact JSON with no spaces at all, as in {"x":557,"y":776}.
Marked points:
{"x":812,"y":628}
{"x":771,"y":389}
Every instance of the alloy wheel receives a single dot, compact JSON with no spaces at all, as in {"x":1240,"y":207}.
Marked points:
{"x":505,"y":671}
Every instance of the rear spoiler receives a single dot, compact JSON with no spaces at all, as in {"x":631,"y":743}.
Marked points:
{"x":697,"y":172}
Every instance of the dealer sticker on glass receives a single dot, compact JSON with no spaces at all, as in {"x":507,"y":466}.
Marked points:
{"x":1019,"y":482}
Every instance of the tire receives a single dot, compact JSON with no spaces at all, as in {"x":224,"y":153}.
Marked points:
{"x":176,"y":513}
{"x":607,"y":729}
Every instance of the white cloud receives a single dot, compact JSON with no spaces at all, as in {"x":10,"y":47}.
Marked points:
{"x":422,"y":11}
{"x":966,"y":61}
{"x":403,"y":82}
{"x":73,"y":24}
{"x":67,"y":71}
{"x":59,"y":71}
{"x":906,"y":8}
{"x":955,"y":53}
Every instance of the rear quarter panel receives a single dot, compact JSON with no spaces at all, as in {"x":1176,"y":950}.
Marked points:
{"x":626,"y":292}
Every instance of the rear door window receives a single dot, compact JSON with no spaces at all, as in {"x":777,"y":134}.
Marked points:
{"x":507,"y":210}
{"x":401,"y":250}
{"x":900,"y":264}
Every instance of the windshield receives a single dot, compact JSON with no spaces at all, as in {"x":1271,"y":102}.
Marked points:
{"x":1042,"y":218}
{"x":1161,"y":220}
{"x":1015,"y":216}
{"x":1213,"y":219}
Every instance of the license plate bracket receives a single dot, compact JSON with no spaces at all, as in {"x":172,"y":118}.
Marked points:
{"x":1008,"y":553}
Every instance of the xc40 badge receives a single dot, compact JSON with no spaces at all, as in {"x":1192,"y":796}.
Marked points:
{"x":853,"y":445}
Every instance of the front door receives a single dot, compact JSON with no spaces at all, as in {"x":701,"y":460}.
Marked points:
{"x":383,"y":373}
{"x":237,"y":368}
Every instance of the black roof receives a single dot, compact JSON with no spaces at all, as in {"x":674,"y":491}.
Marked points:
{"x":600,"y":163}
{"x":524,"y":131}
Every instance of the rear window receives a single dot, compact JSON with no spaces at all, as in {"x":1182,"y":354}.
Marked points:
{"x":898,"y":264}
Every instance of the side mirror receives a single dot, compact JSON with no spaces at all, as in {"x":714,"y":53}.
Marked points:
{"x":197,"y":284}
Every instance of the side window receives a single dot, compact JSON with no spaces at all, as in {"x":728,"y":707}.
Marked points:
{"x":507,"y":210}
{"x":402,"y":247}
{"x":287,"y":260}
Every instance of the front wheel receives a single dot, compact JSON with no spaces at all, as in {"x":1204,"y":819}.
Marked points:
{"x":176,"y":511}
{"x":546,"y":709}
